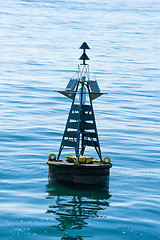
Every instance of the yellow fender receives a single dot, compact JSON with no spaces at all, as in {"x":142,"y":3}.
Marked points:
{"x":52,"y":157}
{"x":106,"y":158}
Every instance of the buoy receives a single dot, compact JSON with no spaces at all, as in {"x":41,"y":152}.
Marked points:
{"x":106,"y":158}
{"x":80,"y":133}
{"x":52,"y":157}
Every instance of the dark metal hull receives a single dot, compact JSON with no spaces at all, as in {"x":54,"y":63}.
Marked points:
{"x":84,"y":173}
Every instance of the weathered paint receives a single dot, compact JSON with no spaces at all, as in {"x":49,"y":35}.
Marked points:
{"x":83,"y":173}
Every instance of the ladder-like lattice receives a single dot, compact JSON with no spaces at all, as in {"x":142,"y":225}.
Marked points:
{"x":81,"y":130}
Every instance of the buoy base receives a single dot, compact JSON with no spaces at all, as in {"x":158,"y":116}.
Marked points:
{"x":83,"y":173}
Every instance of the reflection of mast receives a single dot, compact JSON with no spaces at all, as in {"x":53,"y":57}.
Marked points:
{"x":73,"y":207}
{"x":81,"y":130}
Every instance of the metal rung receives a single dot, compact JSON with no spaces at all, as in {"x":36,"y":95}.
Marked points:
{"x":86,"y":108}
{"x":71,"y":134}
{"x":90,"y":134}
{"x":75,"y":107}
{"x":85,"y":126}
{"x":73,"y":125}
{"x":69,"y":143}
{"x":86,"y":117}
{"x":74,"y":116}
{"x":91,"y":143}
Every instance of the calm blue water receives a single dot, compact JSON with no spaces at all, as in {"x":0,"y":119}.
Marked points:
{"x":39,"y":41}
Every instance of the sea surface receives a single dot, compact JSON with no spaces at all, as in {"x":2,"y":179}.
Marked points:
{"x":39,"y":52}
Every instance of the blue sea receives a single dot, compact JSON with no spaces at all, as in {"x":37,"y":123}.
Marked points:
{"x":39,"y":52}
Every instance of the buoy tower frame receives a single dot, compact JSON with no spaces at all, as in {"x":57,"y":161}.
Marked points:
{"x":80,"y":130}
